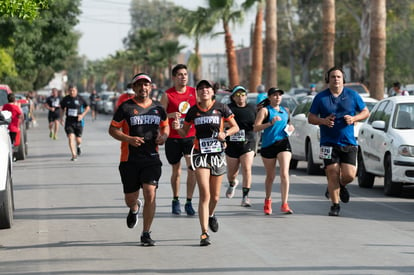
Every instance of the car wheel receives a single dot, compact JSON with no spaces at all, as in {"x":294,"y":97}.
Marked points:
{"x":311,"y":168}
{"x":293,"y":164}
{"x":391,"y":188}
{"x":365,"y":179}
{"x":6,"y":206}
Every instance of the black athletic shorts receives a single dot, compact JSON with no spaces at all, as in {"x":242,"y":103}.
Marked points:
{"x":237,"y":149}
{"x":342,"y":154}
{"x":53,"y":116}
{"x":176,"y":148}
{"x":74,"y":128}
{"x":133,"y":175}
{"x":273,"y":150}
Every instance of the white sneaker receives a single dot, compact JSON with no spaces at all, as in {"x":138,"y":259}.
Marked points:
{"x":246,"y":202}
{"x":232,"y":189}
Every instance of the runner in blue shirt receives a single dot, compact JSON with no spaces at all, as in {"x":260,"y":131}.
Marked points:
{"x":335,"y":110}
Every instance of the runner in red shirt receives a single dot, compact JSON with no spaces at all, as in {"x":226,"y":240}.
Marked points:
{"x":177,"y":100}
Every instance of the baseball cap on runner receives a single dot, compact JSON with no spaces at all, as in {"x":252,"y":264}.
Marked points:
{"x":208,"y":83}
{"x":141,"y":76}
{"x":274,"y":90}
{"x":238,"y":88}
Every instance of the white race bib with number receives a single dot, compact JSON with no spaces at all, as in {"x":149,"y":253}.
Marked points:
{"x":72,"y":112}
{"x":325,"y":152}
{"x":210,"y":145}
{"x":239,"y":136}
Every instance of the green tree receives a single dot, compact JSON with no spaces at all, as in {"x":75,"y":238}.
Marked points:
{"x":23,"y":9}
{"x":227,"y":12}
{"x":42,"y":46}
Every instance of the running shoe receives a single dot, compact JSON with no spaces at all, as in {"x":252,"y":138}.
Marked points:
{"x":74,"y":159}
{"x":213,"y":223}
{"x":176,"y":207}
{"x":246,"y":202}
{"x":267,"y":208}
{"x":232,"y":189}
{"x":132,"y":219}
{"x":286,"y":209}
{"x":50,"y":134}
{"x":189,"y":209}
{"x":343,"y":194}
{"x":146,"y":239}
{"x":78,"y":150}
{"x":334,"y":210}
{"x":205,"y":239}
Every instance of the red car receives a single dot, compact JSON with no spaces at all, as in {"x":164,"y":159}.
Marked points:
{"x":20,"y":145}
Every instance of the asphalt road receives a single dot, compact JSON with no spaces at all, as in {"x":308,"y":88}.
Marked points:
{"x":70,"y":219}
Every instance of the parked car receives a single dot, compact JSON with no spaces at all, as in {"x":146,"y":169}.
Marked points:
{"x":298,"y":91}
{"x":106,"y":99}
{"x":360,"y":88}
{"x":305,"y":140}
{"x":20,"y":144}
{"x":386,"y":145}
{"x":6,"y":184}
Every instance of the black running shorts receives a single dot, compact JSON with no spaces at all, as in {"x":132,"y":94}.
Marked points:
{"x":273,"y":150}
{"x":134,"y":175}
{"x":176,"y":148}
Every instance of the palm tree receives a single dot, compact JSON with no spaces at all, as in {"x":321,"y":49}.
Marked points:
{"x":169,"y":50}
{"x":378,"y":48}
{"x":196,"y":24}
{"x":328,"y":13}
{"x":257,"y":45}
{"x":271,"y":43}
{"x":224,"y":9}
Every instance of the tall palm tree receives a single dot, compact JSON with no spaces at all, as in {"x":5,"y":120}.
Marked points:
{"x":378,"y":48}
{"x":257,"y":45}
{"x":169,"y":50}
{"x":197,"y":24}
{"x":328,"y":25}
{"x":225,"y":10}
{"x":271,"y":43}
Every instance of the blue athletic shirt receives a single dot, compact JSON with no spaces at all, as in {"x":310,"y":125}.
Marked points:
{"x":348,"y":102}
{"x":275,"y":132}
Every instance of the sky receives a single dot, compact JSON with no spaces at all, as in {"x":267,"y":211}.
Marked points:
{"x":105,"y":23}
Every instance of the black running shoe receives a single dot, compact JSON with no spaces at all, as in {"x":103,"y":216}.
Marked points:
{"x":213,"y":223}
{"x":78,"y":151}
{"x":146,"y":239}
{"x":343,"y":194}
{"x":205,"y":239}
{"x":132,"y":219}
{"x":334,"y":210}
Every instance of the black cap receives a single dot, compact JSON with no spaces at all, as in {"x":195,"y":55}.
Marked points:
{"x":274,"y":90}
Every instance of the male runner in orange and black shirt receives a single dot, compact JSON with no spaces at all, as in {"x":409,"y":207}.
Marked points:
{"x":141,"y":125}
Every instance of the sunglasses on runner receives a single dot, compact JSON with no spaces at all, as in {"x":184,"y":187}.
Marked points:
{"x":240,"y":94}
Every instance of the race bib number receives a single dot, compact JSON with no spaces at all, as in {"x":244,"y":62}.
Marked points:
{"x":239,"y":136}
{"x":325,"y":152}
{"x":73,"y":112}
{"x":210,"y":145}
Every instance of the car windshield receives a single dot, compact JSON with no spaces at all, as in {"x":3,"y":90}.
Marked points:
{"x":404,"y":116}
{"x":3,"y":97}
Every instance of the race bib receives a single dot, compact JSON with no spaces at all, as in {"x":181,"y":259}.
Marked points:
{"x":239,"y":136}
{"x":210,"y":145}
{"x":325,"y":152}
{"x":73,"y":112}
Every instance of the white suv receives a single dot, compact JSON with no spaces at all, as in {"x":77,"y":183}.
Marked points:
{"x":6,"y":187}
{"x":386,"y":145}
